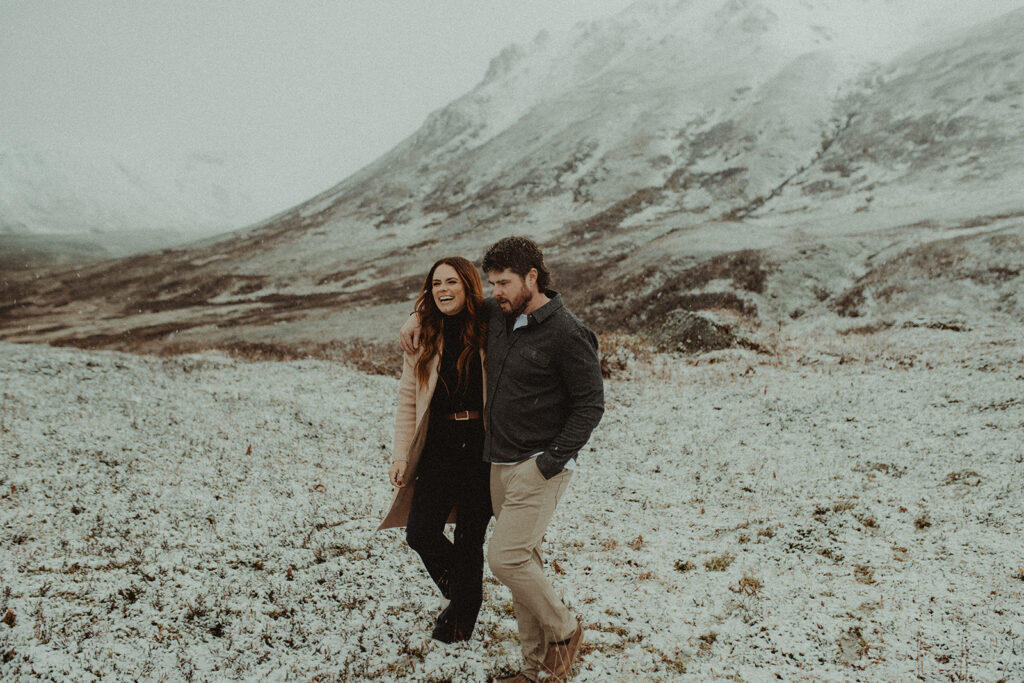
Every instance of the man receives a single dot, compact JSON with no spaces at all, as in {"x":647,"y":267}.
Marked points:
{"x":544,"y":397}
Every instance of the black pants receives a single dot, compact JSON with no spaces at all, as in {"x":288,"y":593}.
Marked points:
{"x":446,"y":479}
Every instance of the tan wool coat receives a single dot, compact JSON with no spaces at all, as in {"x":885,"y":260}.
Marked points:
{"x":411,"y":421}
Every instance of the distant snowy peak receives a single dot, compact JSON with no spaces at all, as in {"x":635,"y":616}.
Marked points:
{"x":96,"y":191}
{"x":624,"y":103}
{"x":504,"y":63}
{"x":684,"y":44}
{"x":868,"y":30}
{"x":660,"y":70}
{"x":944,"y":121}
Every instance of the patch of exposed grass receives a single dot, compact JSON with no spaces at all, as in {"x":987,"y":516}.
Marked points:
{"x":748,"y":585}
{"x":720,"y":563}
{"x":843,"y":505}
{"x":965,"y":477}
{"x":684,"y":566}
{"x":862,"y":573}
{"x":620,"y":351}
{"x":868,"y":521}
{"x":706,"y":641}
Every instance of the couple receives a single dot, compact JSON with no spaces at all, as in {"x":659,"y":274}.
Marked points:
{"x":496,"y":399}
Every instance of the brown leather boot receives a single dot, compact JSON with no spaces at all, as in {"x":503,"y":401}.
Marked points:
{"x":560,"y":659}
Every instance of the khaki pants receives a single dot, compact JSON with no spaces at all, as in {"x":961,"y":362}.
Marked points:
{"x":523,"y":504}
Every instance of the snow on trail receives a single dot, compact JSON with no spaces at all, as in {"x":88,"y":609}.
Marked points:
{"x":847,"y":509}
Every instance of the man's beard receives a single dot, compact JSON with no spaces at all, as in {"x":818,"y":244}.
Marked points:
{"x":518,"y":305}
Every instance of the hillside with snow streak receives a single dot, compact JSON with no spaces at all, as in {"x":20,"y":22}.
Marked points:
{"x":756,"y":165}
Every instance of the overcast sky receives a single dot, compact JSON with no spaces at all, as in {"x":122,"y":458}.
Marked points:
{"x":313,"y":89}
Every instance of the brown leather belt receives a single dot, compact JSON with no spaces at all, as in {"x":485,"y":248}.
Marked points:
{"x":463,"y":416}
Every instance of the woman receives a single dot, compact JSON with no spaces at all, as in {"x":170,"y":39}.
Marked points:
{"x":438,"y":469}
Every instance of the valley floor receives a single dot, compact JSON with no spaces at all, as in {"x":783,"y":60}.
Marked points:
{"x":846,"y":509}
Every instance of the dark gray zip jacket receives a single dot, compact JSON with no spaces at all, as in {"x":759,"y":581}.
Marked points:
{"x":544,"y":387}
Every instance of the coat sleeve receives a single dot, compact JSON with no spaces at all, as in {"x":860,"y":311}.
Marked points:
{"x":580,"y":370}
{"x":405,"y":415}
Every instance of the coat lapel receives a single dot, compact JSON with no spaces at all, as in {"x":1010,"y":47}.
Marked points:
{"x":401,"y":501}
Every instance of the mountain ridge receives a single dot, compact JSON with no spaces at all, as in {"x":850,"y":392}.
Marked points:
{"x":685,"y":184}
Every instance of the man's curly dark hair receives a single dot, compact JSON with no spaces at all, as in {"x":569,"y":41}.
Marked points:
{"x":518,"y":254}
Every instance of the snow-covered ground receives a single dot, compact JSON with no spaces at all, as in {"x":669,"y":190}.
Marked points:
{"x":848,"y":508}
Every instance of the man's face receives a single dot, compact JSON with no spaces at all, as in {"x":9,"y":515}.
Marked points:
{"x":511,"y":291}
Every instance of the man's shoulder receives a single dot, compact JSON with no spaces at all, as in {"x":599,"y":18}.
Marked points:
{"x":567,"y":324}
{"x":567,"y":318}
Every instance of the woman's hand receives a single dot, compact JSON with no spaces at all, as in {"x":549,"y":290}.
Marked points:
{"x":396,"y":474}
{"x":409,"y":335}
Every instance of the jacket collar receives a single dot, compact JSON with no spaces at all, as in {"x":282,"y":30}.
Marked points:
{"x":548,"y":309}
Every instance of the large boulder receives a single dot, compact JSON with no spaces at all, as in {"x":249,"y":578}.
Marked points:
{"x":689,"y":332}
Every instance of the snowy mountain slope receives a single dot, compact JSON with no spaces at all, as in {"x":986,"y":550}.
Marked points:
{"x":751,"y":161}
{"x":61,"y":191}
{"x":579,"y":123}
{"x":676,"y":95}
{"x":925,"y":161}
{"x":60,"y":206}
{"x":938,"y":126}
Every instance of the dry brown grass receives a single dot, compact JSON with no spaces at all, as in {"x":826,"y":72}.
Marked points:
{"x":610,"y":218}
{"x":706,"y":641}
{"x":862,"y":573}
{"x":748,"y":585}
{"x":620,"y":351}
{"x":720,"y":563}
{"x":374,"y":358}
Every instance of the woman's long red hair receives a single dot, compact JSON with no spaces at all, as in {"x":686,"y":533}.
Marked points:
{"x":474,"y":334}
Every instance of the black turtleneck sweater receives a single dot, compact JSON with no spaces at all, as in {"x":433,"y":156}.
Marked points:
{"x":449,"y":397}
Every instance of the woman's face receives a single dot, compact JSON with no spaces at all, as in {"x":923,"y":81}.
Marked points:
{"x":447,"y":289}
